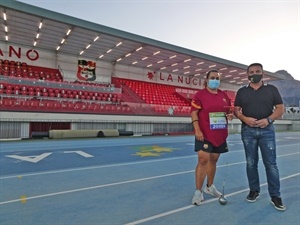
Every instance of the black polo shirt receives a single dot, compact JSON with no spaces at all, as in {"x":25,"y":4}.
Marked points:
{"x":258,"y":103}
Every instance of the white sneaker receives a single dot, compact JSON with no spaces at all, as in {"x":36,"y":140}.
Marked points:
{"x":198,"y":198}
{"x":212,"y":190}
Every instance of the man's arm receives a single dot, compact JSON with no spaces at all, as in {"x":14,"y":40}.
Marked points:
{"x":252,"y":122}
{"x":278,"y":112}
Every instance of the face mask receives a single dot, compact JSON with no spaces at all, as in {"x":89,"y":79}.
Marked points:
{"x":255,"y":78}
{"x":213,"y":84}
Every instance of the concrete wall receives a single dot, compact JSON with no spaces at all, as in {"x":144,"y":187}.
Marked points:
{"x":16,"y":124}
{"x":295,"y":126}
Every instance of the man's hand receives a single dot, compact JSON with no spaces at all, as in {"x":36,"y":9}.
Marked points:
{"x":250,"y":121}
{"x":229,"y":116}
{"x":262,"y":123}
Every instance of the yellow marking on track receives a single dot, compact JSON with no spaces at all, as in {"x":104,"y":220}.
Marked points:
{"x":23,"y":199}
{"x":161,"y":149}
{"x":143,"y":154}
{"x":154,"y":150}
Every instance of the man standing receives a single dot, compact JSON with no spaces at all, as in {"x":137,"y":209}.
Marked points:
{"x":258,"y":105}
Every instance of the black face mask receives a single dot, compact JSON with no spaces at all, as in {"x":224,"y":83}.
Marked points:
{"x":255,"y":78}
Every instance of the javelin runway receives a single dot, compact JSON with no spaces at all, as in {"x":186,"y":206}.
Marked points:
{"x":136,"y":180}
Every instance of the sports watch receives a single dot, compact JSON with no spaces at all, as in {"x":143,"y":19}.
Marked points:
{"x":270,"y":120}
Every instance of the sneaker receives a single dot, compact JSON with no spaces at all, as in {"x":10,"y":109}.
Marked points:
{"x":212,"y":190}
{"x":277,"y":202}
{"x":253,"y":195}
{"x":198,"y":198}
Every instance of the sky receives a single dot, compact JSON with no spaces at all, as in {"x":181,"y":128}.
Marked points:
{"x":242,"y":31}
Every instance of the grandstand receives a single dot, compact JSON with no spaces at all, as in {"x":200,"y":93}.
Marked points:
{"x":60,"y":72}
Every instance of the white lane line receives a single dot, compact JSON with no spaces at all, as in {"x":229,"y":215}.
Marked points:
{"x":98,"y":167}
{"x":296,"y":138}
{"x":191,"y":206}
{"x":120,"y":183}
{"x":105,"y":166}
{"x":112,"y":165}
{"x":95,"y":187}
{"x":82,"y":153}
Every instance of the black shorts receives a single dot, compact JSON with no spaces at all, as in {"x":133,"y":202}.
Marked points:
{"x":208,"y":147}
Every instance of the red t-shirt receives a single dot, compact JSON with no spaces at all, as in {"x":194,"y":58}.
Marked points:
{"x":212,"y":115}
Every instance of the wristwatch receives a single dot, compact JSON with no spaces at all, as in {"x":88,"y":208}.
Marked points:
{"x":270,"y":120}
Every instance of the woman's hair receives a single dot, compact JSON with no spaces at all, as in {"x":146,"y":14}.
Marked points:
{"x":208,"y":73}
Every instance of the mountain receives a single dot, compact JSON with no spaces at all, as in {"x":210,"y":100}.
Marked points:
{"x":289,"y":89}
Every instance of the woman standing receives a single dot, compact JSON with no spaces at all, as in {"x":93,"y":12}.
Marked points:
{"x":210,"y":112}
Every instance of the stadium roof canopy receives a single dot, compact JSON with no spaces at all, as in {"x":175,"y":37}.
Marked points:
{"x":39,"y":28}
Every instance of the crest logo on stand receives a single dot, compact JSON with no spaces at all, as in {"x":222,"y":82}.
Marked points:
{"x":86,"y":70}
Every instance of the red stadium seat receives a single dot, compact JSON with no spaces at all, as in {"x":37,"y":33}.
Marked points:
{"x":7,"y":102}
{"x":70,"y":105}
{"x":42,"y":105}
{"x":30,"y":88}
{"x":8,"y":91}
{"x":56,"y":105}
{"x":50,"y":105}
{"x":34,"y":104}
{"x":113,"y":108}
{"x":26,"y":103}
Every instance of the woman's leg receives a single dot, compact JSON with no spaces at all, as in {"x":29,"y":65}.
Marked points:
{"x":201,"y":168}
{"x":211,"y":168}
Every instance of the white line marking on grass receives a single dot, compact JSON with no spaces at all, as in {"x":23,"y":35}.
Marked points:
{"x":191,"y":206}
